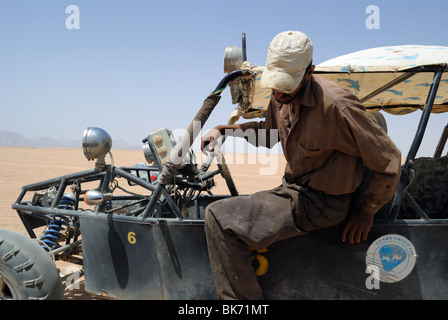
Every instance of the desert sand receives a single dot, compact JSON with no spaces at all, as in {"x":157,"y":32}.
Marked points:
{"x":22,"y":166}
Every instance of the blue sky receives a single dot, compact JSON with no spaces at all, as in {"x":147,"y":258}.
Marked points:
{"x":138,"y":65}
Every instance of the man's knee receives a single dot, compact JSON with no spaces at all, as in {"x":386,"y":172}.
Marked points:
{"x":210,"y":220}
{"x":217,"y":216}
{"x":209,"y":213}
{"x":216,"y":209}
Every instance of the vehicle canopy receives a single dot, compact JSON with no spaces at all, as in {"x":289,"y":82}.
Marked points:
{"x":395,"y":79}
{"x":405,"y":70}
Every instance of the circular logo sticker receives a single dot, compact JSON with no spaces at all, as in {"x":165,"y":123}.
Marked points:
{"x":393,"y":255}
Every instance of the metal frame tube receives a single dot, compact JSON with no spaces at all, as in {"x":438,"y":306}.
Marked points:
{"x":56,"y":181}
{"x":124,"y":174}
{"x":442,"y":142}
{"x":243,"y":43}
{"x":396,"y":203}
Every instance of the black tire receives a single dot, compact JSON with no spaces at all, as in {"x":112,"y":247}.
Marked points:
{"x":27,"y":271}
{"x":429,"y":187}
{"x":379,"y":119}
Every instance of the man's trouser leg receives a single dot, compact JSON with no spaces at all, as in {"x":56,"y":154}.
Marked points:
{"x":233,"y":225}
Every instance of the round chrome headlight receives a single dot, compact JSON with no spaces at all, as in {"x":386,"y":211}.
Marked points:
{"x":149,"y":157}
{"x":96,"y":143}
{"x":233,"y":59}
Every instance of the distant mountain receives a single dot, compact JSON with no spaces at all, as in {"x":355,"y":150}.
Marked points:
{"x":12,"y":139}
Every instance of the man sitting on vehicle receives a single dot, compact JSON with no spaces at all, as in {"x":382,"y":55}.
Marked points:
{"x":327,"y":137}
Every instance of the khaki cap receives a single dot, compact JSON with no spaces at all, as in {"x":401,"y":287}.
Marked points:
{"x":289,"y":54}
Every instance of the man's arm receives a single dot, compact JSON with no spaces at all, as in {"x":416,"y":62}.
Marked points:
{"x":383,"y":158}
{"x":257,"y":133}
{"x":209,"y":139}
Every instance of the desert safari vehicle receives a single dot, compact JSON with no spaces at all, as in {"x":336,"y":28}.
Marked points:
{"x":149,"y":243}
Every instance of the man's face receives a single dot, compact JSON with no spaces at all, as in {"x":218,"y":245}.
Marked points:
{"x":286,"y":98}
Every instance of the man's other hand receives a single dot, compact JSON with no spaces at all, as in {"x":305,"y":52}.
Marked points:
{"x":357,"y":227}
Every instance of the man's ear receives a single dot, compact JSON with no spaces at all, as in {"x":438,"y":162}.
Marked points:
{"x":310,"y":72}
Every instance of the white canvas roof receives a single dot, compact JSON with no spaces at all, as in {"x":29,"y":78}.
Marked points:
{"x":365,"y":71}
{"x":387,"y":59}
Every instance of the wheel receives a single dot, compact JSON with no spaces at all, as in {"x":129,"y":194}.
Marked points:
{"x":428,"y":186}
{"x":27,"y":271}
{"x":379,"y":119}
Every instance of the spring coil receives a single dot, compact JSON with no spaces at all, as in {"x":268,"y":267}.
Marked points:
{"x":67,"y":203}
{"x":52,"y":234}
